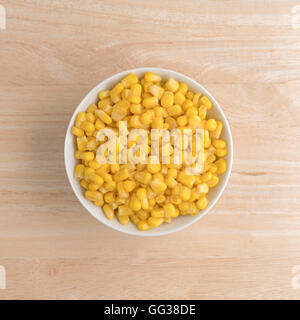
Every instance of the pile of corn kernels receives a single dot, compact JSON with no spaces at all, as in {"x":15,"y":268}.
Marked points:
{"x":148,"y":195}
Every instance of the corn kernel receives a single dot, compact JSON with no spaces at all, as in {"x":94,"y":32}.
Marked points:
{"x":221,"y":152}
{"x":93,"y":195}
{"x":150,"y":102}
{"x":108,"y":211}
{"x":167,"y":99}
{"x":155,"y":222}
{"x":143,"y":225}
{"x":152,"y":77}
{"x":202,"y":203}
{"x":211,"y":125}
{"x":172,"y":85}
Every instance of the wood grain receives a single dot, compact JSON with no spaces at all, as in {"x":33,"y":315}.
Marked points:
{"x":246,"y":53}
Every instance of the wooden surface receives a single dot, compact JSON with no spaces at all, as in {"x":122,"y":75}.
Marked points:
{"x":246,"y":53}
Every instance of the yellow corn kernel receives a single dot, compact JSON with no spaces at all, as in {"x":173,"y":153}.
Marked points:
{"x":195,"y":100}
{"x":125,"y":93}
{"x":192,"y":111}
{"x":213,"y":181}
{"x":146,"y":118}
{"x":175,"y":199}
{"x":143,"y":177}
{"x":121,"y":190}
{"x":185,"y":193}
{"x":152,"y":77}
{"x":155,"y":222}
{"x":135,"y":203}
{"x":157,"y":213}
{"x":194,"y":122}
{"x":206,"y":176}
{"x":79,"y":172}
{"x":104,"y":102}
{"x":87,"y":156}
{"x":92,"y":145}
{"x":79,"y":119}
{"x":219,"y":143}
{"x":172,"y":85}
{"x":187,"y":180}
{"x":84,"y":184}
{"x":128,"y":185}
{"x":129,"y":80}
{"x":207,"y":140}
{"x":90,"y":117}
{"x":142,"y":196}
{"x":118,"y":88}
{"x":153,"y":167}
{"x":160,"y":199}
{"x":93,"y":195}
{"x":143,"y":225}
{"x":103,"y":94}
{"x":136,"y":89}
{"x":188,"y":207}
{"x":158,"y":185}
{"x":202,"y":112}
{"x":93,"y":186}
{"x":202,"y":203}
{"x":77,"y":132}
{"x":110,"y":186}
{"x":134,"y":219}
{"x":179,"y":98}
{"x":87,"y":126}
{"x":108,"y":211}
{"x":202,"y":188}
{"x":109,"y":197}
{"x":87,"y":172}
{"x":182,"y":121}
{"x":170,"y":211}
{"x":183,"y":88}
{"x":217,"y":133}
{"x":175,"y":110}
{"x":136,"y":108}
{"x":204,"y":100}
{"x":121,"y":175}
{"x":172,"y":173}
{"x":77,"y":154}
{"x":190,"y":95}
{"x":211,"y":125}
{"x":99,"y":124}
{"x":221,"y":165}
{"x":94,"y":164}
{"x":103,"y":116}
{"x":171,"y":182}
{"x":134,"y":99}
{"x":221,"y":152}
{"x":115,"y":167}
{"x":143,"y":215}
{"x":157,"y":91}
{"x":124,"y":211}
{"x":158,"y":123}
{"x":95,"y":178}
{"x":172,"y":123}
{"x":187,"y":105}
{"x":146,"y":86}
{"x":150,"y":102}
{"x":167,"y":99}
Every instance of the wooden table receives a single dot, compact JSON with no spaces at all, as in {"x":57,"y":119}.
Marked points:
{"x":246,"y":53}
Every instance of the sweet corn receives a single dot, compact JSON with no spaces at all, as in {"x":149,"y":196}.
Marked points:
{"x":150,"y":102}
{"x":152,"y":77}
{"x":167,"y":99}
{"x":155,"y":222}
{"x":202,"y":203}
{"x":154,"y":193}
{"x":157,"y":213}
{"x":221,"y":152}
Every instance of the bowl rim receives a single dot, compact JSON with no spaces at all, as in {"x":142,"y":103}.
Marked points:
{"x":183,"y":77}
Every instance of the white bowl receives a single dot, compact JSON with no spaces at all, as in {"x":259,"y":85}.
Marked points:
{"x":180,"y":222}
